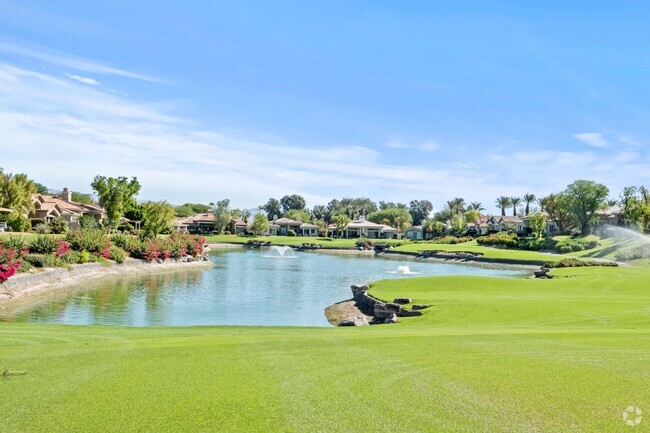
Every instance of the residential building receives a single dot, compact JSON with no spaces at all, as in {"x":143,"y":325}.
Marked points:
{"x":361,"y":228}
{"x":51,"y":207}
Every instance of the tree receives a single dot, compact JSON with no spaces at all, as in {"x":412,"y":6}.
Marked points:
{"x":528,"y":199}
{"x":434,"y":227}
{"x":222,"y":215}
{"x":383,"y":205}
{"x":514,"y":202}
{"x":557,"y":208}
{"x":245,"y":215}
{"x":399,"y":218}
{"x":645,"y":200}
{"x":158,"y":217}
{"x":458,"y":225}
{"x":272,"y":208}
{"x":16,"y":192}
{"x":537,"y":223}
{"x":298,"y":215}
{"x":40,"y":188}
{"x":420,"y":210}
{"x":472,"y":215}
{"x":292,"y":202}
{"x":585,"y":197}
{"x":632,"y":206}
{"x":319,"y":212}
{"x":260,"y":224}
{"x":341,"y":221}
{"x":456,"y":205}
{"x":116,"y":195}
{"x":476,"y":205}
{"x":503,"y":202}
{"x":79,"y":197}
{"x":88,"y":222}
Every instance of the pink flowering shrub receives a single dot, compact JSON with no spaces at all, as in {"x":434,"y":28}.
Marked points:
{"x":10,"y":260}
{"x":63,"y":249}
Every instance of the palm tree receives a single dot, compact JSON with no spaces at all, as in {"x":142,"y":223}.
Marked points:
{"x":514,"y":202}
{"x":457,"y":205}
{"x":528,"y":199}
{"x":476,"y":205}
{"x":612,"y":202}
{"x":503,"y":202}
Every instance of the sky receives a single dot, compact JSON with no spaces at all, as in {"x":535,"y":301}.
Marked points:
{"x":395,"y":101}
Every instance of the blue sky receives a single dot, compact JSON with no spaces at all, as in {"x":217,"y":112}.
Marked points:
{"x":392,"y":100}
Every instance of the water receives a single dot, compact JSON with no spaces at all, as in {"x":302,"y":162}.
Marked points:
{"x":245,"y":288}
{"x":281,"y":252}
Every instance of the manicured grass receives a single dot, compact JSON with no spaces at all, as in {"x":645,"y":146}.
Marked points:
{"x":488,"y":252}
{"x":490,"y":355}
{"x":296,"y":240}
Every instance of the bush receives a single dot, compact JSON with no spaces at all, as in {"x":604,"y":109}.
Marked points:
{"x":17,"y":222}
{"x":78,"y":257}
{"x":17,"y":243}
{"x":58,"y":226}
{"x":43,"y":260}
{"x":291,"y":233}
{"x":126,"y":242}
{"x":93,"y":241}
{"x":577,"y":263}
{"x":42,"y":229}
{"x":564,"y":249}
{"x":117,"y":254}
{"x":501,"y":239}
{"x":642,"y":252}
{"x":88,"y":222}
{"x":43,"y":244}
{"x":11,"y":260}
{"x":452,"y":240}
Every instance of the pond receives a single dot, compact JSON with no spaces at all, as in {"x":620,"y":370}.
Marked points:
{"x":244,"y":288}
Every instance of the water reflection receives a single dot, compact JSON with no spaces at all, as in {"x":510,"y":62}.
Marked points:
{"x":244,"y":288}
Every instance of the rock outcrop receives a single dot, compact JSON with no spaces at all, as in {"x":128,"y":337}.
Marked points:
{"x":380,"y":310}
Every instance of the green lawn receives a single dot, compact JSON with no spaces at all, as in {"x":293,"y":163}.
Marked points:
{"x":490,"y":355}
{"x":488,"y":252}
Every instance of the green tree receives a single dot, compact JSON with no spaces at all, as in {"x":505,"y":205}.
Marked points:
{"x":158,"y":217}
{"x":433,"y":227}
{"x":528,"y":199}
{"x":514,"y":202}
{"x":420,"y":210}
{"x":503,"y":203}
{"x":341,"y":221}
{"x":472,"y":215}
{"x":476,"y":205}
{"x":222,"y":215}
{"x":16,"y":191}
{"x":298,"y":215}
{"x":82,"y":198}
{"x":88,"y":222}
{"x":272,"y":208}
{"x":40,"y":188}
{"x":458,"y":225}
{"x":58,"y":226}
{"x":537,"y":223}
{"x":319,"y":212}
{"x":292,"y":202}
{"x":632,"y":206}
{"x":400,"y":218}
{"x":558,"y":209}
{"x":260,"y":224}
{"x":585,"y":197}
{"x":116,"y":195}
{"x":456,"y":205}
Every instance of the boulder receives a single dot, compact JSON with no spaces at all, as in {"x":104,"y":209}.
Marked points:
{"x":419,"y":306}
{"x":354,"y":321}
{"x":402,"y":300}
{"x":391,"y":319}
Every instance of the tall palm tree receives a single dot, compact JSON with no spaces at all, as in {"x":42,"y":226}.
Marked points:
{"x":528,"y":199}
{"x":503,"y":202}
{"x":457,"y":205}
{"x":476,"y":205}
{"x":514,"y":202}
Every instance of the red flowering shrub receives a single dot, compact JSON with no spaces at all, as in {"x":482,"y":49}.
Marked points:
{"x":62,"y":249}
{"x":10,"y":260}
{"x":193,"y":244}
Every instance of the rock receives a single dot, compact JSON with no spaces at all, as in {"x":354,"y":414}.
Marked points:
{"x":359,"y":287}
{"x":354,"y":321}
{"x":159,"y":260}
{"x":419,"y":306}
{"x":391,"y":319}
{"x":402,"y":300}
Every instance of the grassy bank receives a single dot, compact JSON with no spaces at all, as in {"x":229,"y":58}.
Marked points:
{"x":490,"y":355}
{"x":295,"y":240}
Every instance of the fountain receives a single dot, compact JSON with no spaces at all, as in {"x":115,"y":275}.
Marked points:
{"x":629,"y":244}
{"x":403,"y":270}
{"x":283,"y":252}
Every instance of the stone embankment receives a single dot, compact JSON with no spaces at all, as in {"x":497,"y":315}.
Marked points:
{"x":377,"y":310}
{"x":48,"y":280}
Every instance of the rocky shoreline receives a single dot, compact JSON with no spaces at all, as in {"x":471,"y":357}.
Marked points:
{"x":24,"y":287}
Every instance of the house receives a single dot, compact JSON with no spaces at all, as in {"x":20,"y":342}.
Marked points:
{"x":202,"y":223}
{"x":238,"y":227}
{"x":361,"y":228}
{"x":493,"y":224}
{"x":50,"y":207}
{"x":308,"y":229}
{"x":286,"y":224}
{"x":414,"y":233}
{"x":524,"y":228}
{"x":610,"y":216}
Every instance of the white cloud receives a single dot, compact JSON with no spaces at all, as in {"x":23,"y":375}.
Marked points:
{"x":427,"y":146}
{"x":72,"y":62}
{"x":594,"y":139}
{"x":63,"y":132}
{"x":84,"y":80}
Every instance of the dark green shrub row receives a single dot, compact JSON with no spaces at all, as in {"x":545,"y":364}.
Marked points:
{"x":577,"y":263}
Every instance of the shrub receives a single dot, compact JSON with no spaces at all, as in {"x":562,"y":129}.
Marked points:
{"x":58,"y":226}
{"x":93,"y":241}
{"x":642,"y":252}
{"x":452,"y":240}
{"x":17,"y":222}
{"x":43,"y":244}
{"x":62,"y":249}
{"x":78,"y":257}
{"x":17,"y":243}
{"x":43,"y":260}
{"x":117,"y":254}
{"x":577,"y":263}
{"x":42,"y":229}
{"x":193,"y":244}
{"x":291,"y":233}
{"x":564,"y":249}
{"x":501,"y":239}
{"x":88,"y":222}
{"x":11,"y":260}
{"x":126,"y":242}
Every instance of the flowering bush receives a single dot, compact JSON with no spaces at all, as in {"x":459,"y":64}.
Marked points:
{"x":193,"y":243}
{"x":63,"y":249}
{"x":93,"y":241}
{"x":43,"y":244}
{"x":11,"y":256}
{"x":117,"y":254}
